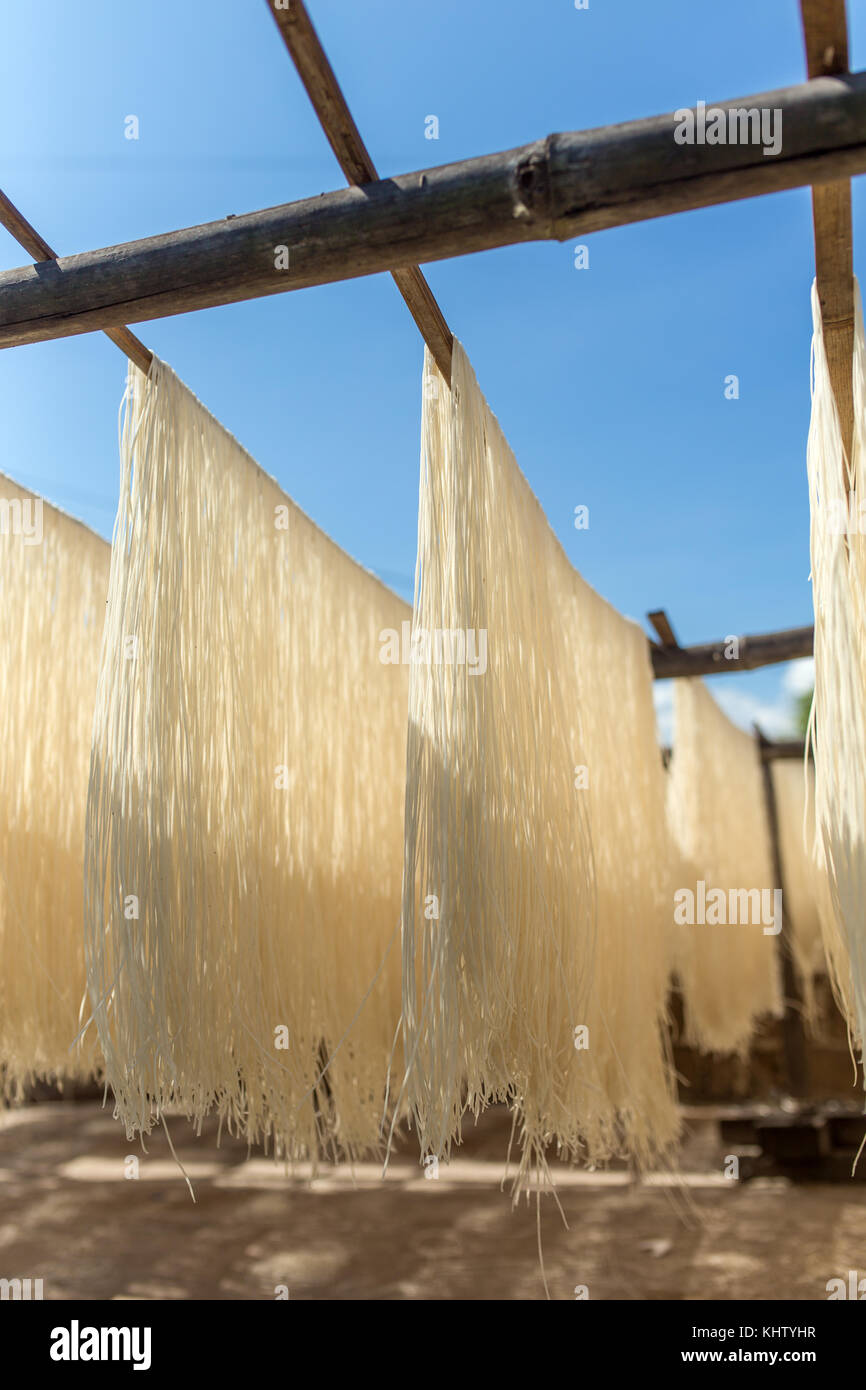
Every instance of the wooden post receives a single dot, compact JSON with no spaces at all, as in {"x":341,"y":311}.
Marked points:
{"x":793,"y":1032}
{"x":825,"y":29}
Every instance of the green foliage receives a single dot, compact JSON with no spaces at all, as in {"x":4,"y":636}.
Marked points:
{"x":803,"y":706}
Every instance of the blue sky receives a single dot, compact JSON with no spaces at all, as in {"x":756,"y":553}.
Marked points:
{"x":609,"y":382}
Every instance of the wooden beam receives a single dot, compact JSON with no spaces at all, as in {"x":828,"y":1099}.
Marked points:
{"x":781,"y":749}
{"x":556,"y":188}
{"x":785,"y":749}
{"x":662,"y":627}
{"x":709,"y":659}
{"x":336,"y":119}
{"x":323,"y":89}
{"x":17,"y":225}
{"x":825,"y":30}
{"x":793,"y":1032}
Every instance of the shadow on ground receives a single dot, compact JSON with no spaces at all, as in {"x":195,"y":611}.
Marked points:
{"x":71,"y":1216}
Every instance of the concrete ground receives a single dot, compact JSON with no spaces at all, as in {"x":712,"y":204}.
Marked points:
{"x":69,"y":1215}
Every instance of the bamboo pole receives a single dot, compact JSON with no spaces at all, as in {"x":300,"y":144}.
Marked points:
{"x":27,"y":236}
{"x":553,"y":189}
{"x":336,"y":119}
{"x":711,"y":659}
{"x":664,"y":631}
{"x":778,"y":750}
{"x":785,"y":748}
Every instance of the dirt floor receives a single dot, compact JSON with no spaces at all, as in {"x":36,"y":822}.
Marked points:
{"x":71,"y":1216}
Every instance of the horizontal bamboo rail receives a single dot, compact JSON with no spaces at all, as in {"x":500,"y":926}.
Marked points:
{"x":555,"y":188}
{"x":774,"y":750}
{"x":709,"y":658}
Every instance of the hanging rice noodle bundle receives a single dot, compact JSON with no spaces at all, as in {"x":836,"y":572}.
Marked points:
{"x":838,"y":726}
{"x":725,"y":952}
{"x":245,"y":810}
{"x":53,"y":585}
{"x":807,"y":893}
{"x":536,"y":911}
